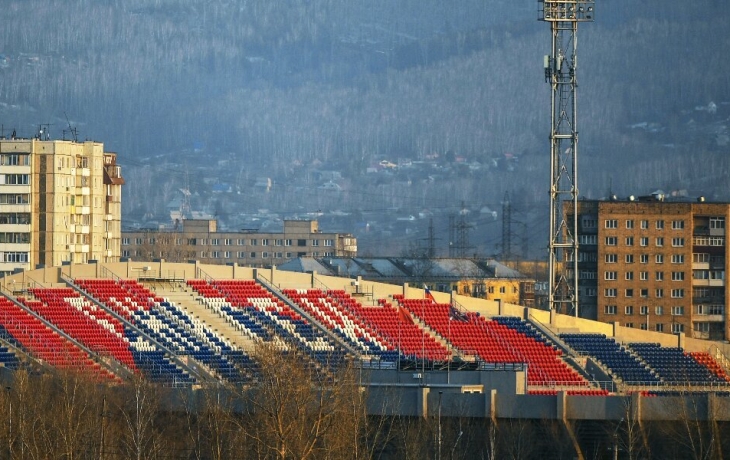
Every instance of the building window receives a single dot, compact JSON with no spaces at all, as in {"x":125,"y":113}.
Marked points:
{"x":644,"y":310}
{"x":660,"y":241}
{"x":644,"y":326}
{"x":678,"y":242}
{"x":717,"y":222}
{"x":629,"y":276}
{"x":644,"y":241}
{"x":644,"y":224}
{"x":677,"y":310}
{"x":677,"y":276}
{"x":264,"y":242}
{"x":659,"y":311}
{"x":643,"y":276}
{"x":241,"y":254}
{"x":216,"y":254}
{"x":265,"y":255}
{"x":629,"y":310}
{"x":611,"y":223}
{"x":611,"y":241}
{"x":610,"y":292}
{"x":677,"y":328}
{"x":659,"y":258}
{"x":610,"y":309}
{"x":241,"y":241}
{"x":677,"y":224}
{"x":629,"y":223}
{"x":629,"y":292}
{"x":279,"y":242}
{"x":659,"y":276}
{"x":227,"y":241}
{"x":659,"y":327}
{"x":677,"y":258}
{"x":125,"y":241}
{"x":301,"y":242}
{"x":660,"y":225}
{"x":287,"y":242}
{"x":591,"y":292}
{"x":329,"y":242}
{"x":227,"y":254}
{"x":659,"y":293}
{"x":254,"y":242}
{"x":215,"y":242}
{"x":629,"y":258}
{"x":677,"y":293}
{"x":644,"y":258}
{"x":644,"y":293}
{"x":252,"y":255}
{"x":610,"y":276}
{"x":588,"y":239}
{"x":629,"y":325}
{"x":611,"y":258}
{"x":629,"y":241}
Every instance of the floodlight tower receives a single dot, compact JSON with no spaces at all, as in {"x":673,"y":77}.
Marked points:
{"x":560,"y":71}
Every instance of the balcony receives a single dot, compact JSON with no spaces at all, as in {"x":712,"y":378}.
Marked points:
{"x":717,"y":241}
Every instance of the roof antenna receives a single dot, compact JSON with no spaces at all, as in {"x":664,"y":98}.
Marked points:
{"x":71,"y":130}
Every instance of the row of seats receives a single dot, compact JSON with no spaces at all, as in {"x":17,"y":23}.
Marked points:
{"x":674,"y":366}
{"x":328,"y":311}
{"x":40,"y":341}
{"x":259,"y":314}
{"x":619,"y":360}
{"x":495,"y":342}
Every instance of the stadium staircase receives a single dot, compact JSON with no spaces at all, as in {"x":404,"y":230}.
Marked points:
{"x":189,"y":301}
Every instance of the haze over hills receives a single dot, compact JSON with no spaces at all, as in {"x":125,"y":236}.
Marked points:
{"x":217,"y":96}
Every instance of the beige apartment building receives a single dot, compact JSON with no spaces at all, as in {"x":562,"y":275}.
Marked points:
{"x":654,"y":264}
{"x":199,"y":239}
{"x":60,"y":202}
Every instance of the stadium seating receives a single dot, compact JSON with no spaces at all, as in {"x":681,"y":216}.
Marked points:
{"x":263,"y":315}
{"x":171,"y":327}
{"x":495,"y":342}
{"x":674,"y":366}
{"x":333,"y":309}
{"x":36,"y":338}
{"x":622,"y":363}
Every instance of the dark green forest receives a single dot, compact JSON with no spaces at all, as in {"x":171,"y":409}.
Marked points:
{"x":185,"y":90}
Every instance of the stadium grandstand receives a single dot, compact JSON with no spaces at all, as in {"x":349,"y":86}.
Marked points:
{"x":190,"y":325}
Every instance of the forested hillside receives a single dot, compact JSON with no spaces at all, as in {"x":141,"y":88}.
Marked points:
{"x":275,"y":88}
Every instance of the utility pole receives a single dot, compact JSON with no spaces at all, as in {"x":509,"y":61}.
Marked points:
{"x":560,"y":72}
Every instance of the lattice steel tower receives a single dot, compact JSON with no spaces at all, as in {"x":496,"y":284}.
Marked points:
{"x":560,"y":72}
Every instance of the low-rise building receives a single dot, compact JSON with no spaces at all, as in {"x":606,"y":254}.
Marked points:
{"x":200,"y":239}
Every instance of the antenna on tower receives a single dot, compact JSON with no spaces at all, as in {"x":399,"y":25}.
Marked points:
{"x":560,"y":72}
{"x":71,"y":130}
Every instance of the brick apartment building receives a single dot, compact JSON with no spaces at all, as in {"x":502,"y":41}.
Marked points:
{"x":654,"y":264}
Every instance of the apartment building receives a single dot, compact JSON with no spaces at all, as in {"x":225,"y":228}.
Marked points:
{"x":60,"y":202}
{"x":199,"y":239}
{"x":654,"y":264}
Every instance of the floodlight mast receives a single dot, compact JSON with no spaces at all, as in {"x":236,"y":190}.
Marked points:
{"x":560,"y":71}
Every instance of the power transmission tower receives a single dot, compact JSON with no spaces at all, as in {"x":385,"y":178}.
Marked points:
{"x":459,"y":234}
{"x":506,"y":228}
{"x":560,"y":71}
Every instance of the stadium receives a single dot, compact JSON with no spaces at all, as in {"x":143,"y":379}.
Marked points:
{"x":453,"y":366}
